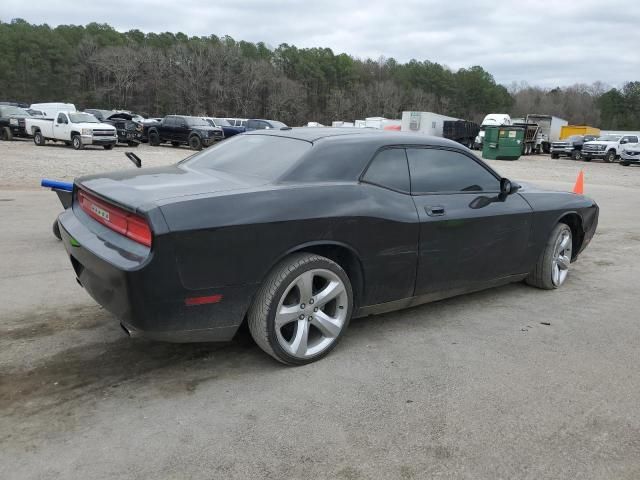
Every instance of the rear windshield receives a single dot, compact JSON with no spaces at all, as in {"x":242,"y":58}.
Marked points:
{"x":262,"y":156}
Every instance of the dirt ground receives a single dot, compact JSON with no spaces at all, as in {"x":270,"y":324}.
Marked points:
{"x":471,"y":387}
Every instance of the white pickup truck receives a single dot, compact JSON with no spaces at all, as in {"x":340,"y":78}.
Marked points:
{"x":607,"y":147}
{"x":73,"y":128}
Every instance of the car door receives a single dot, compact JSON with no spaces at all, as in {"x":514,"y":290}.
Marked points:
{"x":61,"y":129}
{"x":182,"y":129}
{"x":630,"y":140}
{"x":391,"y":252}
{"x":470,"y":234}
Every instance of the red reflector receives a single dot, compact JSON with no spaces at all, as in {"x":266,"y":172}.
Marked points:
{"x":192,"y":301}
{"x":128,"y":224}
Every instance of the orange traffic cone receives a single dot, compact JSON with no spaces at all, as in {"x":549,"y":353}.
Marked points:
{"x":579,"y":186}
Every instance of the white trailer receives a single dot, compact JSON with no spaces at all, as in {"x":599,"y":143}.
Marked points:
{"x":549,"y":130}
{"x":427,"y":123}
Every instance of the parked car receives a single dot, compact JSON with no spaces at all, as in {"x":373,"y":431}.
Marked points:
{"x":51,"y":109}
{"x":461,"y":131}
{"x":260,"y":124}
{"x":73,"y":128}
{"x":100,"y":114}
{"x":607,"y":147}
{"x":227,"y":129}
{"x":570,"y":147}
{"x":299,"y":230}
{"x":237,"y":122}
{"x":129,"y":127}
{"x":183,"y":130}
{"x":630,"y":154}
{"x":15,"y":104}
{"x":12,"y":122}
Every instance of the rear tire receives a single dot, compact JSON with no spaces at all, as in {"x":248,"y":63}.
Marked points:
{"x":555,"y":155}
{"x":132,"y":144}
{"x":108,"y":147}
{"x":195,"y":143}
{"x":175,"y":144}
{"x":283,"y":319}
{"x":7,"y":135}
{"x":552,"y":267}
{"x":624,"y":163}
{"x":76,"y":142}
{"x":38,"y":138}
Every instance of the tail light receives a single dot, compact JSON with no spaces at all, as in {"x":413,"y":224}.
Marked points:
{"x":125,"y":223}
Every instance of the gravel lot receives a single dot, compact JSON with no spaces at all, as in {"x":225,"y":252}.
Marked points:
{"x":471,"y":387}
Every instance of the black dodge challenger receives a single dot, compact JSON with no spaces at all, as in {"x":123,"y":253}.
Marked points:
{"x":299,"y":230}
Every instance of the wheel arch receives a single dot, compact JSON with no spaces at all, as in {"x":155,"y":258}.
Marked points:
{"x":574,"y":221}
{"x":341,"y":253}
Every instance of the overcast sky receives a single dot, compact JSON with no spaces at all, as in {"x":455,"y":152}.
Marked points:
{"x":545,"y":43}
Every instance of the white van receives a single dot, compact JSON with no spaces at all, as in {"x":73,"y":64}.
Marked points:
{"x":50,"y":110}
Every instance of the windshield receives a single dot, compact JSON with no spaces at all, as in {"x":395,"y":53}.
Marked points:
{"x":221,"y":122}
{"x":82,"y":118}
{"x":197,"y":122}
{"x":7,"y":111}
{"x":262,"y":156}
{"x":609,"y":138}
{"x":574,"y":138}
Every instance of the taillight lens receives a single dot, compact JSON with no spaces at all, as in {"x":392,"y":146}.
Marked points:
{"x":128,"y":224}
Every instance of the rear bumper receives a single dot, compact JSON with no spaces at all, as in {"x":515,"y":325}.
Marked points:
{"x":145,"y":293}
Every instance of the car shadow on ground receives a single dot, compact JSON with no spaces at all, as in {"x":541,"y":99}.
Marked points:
{"x":109,"y":360}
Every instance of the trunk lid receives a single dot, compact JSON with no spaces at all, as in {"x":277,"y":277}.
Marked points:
{"x":141,"y":190}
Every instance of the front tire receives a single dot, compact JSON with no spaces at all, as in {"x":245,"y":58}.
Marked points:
{"x":302,"y":309}
{"x":555,"y":155}
{"x":76,"y":142}
{"x":610,"y":156}
{"x":576,"y":155}
{"x":624,"y":163}
{"x":108,"y":147}
{"x":38,"y":139}
{"x":195,"y":143}
{"x":7,"y":135}
{"x":552,"y":267}
{"x":154,"y":139}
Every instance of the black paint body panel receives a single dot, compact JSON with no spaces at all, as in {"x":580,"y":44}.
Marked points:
{"x":215,"y":233}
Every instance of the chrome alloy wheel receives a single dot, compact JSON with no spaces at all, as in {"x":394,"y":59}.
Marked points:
{"x":561,"y":258}
{"x":311,"y":313}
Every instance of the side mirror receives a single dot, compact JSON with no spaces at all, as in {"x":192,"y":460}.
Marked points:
{"x":507,"y":187}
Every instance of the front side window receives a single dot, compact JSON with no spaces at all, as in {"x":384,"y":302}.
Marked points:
{"x":436,"y":171}
{"x":62,"y":118}
{"x":631,"y":139}
{"x":389,"y":169}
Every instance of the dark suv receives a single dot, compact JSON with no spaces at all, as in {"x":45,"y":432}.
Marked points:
{"x":12,"y":122}
{"x":570,"y":146}
{"x":182,"y":130}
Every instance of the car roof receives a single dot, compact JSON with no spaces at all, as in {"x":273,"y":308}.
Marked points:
{"x":365,"y":135}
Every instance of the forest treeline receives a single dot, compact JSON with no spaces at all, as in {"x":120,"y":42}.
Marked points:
{"x":160,"y":73}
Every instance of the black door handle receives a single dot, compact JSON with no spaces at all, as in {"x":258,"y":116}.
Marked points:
{"x":434,"y":210}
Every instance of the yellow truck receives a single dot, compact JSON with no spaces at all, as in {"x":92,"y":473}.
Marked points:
{"x":568,"y":130}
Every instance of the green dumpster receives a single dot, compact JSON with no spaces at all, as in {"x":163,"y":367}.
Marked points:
{"x":502,"y":143}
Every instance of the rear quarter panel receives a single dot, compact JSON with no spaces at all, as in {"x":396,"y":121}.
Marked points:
{"x":235,"y":239}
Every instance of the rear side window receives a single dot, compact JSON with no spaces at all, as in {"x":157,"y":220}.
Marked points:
{"x":262,"y":156}
{"x":435,"y":171}
{"x":389,"y":169}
